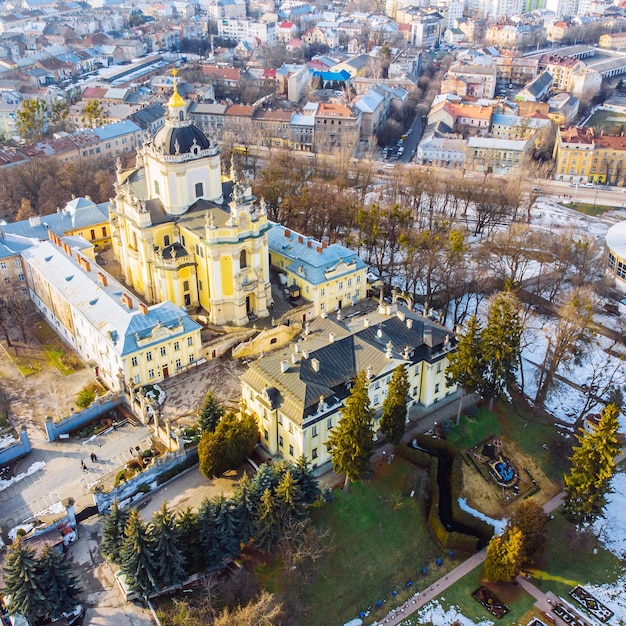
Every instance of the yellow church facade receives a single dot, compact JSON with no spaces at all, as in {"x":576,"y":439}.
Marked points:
{"x":182,"y":235}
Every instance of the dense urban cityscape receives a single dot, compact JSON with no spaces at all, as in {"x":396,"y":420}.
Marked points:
{"x":313,"y":313}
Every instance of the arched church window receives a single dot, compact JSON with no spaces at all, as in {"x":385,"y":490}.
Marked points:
{"x":199,"y":190}
{"x":181,"y":116}
{"x":243,"y":259}
{"x":166,"y":241}
{"x":156,"y":187}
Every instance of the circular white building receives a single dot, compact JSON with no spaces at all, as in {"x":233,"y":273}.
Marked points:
{"x":615,"y":242}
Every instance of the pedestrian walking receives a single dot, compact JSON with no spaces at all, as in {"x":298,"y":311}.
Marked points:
{"x":83,"y":466}
{"x":93,"y":457}
{"x":131,"y":451}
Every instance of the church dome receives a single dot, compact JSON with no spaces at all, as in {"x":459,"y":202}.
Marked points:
{"x":177,"y":140}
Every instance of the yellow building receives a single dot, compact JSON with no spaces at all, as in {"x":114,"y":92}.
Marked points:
{"x":573,"y":154}
{"x":331,"y":277}
{"x":180,"y":235}
{"x":612,"y":40}
{"x":297,"y":393}
{"x":128,"y":342}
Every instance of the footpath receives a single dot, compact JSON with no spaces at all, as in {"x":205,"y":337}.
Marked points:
{"x":545,"y":602}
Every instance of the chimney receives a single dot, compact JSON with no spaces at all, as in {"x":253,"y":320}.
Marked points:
{"x":50,"y":235}
{"x":324,"y":245}
{"x":305,"y":354}
{"x":366,"y":323}
{"x":102,"y":279}
{"x":143,"y":308}
{"x":287,"y":233}
{"x":127,"y":300}
{"x":309,"y":244}
{"x":296,"y":347}
{"x":401,"y":316}
{"x":331,"y":337}
{"x":300,"y":239}
{"x":319,"y":249}
{"x":284,"y":366}
{"x":323,"y":315}
{"x":428,"y":336}
{"x":315,"y":364}
{"x":409,"y":323}
{"x":294,"y":358}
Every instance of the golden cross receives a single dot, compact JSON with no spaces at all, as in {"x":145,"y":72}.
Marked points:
{"x":174,"y":72}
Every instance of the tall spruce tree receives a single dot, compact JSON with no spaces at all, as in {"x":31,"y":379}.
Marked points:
{"x":501,"y":341}
{"x":307,"y":482}
{"x":209,"y":536}
{"x":467,"y":364}
{"x":593,"y":464}
{"x":288,"y":501}
{"x":266,"y":531}
{"x":187,"y":523}
{"x":138,"y":561}
{"x":22,"y":582}
{"x":227,"y":526}
{"x":393,"y":419}
{"x":168,"y":553}
{"x":113,"y":526}
{"x":246,"y":499}
{"x":210,"y":413}
{"x":58,"y":582}
{"x":351,"y":441}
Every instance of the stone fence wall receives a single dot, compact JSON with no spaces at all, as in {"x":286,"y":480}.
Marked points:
{"x":101,"y":405}
{"x":16,"y":450}
{"x":147,"y":480}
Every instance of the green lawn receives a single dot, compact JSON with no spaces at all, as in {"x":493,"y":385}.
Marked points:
{"x":515,"y":423}
{"x":459,"y":596}
{"x":589,"y":208}
{"x":567,"y":562}
{"x":376,"y":550}
{"x":57,"y":353}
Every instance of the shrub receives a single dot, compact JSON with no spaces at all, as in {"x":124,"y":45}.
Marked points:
{"x":417,"y":457}
{"x":471,"y":412}
{"x":85,"y":397}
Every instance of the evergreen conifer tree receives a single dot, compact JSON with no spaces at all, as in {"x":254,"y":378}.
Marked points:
{"x":307,"y":482}
{"x":267,"y":529}
{"x":138,"y":561}
{"x":168,"y":551}
{"x":187,"y":523}
{"x":501,"y":344}
{"x":393,"y":419}
{"x":246,"y":499}
{"x":113,"y":526}
{"x":226,"y":523}
{"x":210,"y":413}
{"x":58,"y":582}
{"x":22,"y":582}
{"x":466,"y":364}
{"x":593,"y":464}
{"x":351,"y":441}
{"x":287,"y":498}
{"x":209,"y":539}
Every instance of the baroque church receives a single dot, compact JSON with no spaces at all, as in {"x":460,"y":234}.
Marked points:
{"x":182,"y":235}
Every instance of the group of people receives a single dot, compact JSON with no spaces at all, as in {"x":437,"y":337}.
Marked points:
{"x":93,"y":458}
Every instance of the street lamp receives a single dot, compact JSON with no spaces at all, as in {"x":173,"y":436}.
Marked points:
{"x":595,"y":199}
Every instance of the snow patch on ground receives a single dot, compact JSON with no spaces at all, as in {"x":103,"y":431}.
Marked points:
{"x":612,"y":595}
{"x":612,"y":528}
{"x":7,"y":440}
{"x":55,"y":509}
{"x":433,"y":613}
{"x":35,"y":467}
{"x":498,"y":524}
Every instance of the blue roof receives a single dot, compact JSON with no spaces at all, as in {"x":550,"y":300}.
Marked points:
{"x":343,"y":75}
{"x":12,"y":245}
{"x":78,"y":213}
{"x":117,"y":129}
{"x":310,"y":259}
